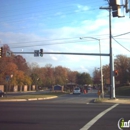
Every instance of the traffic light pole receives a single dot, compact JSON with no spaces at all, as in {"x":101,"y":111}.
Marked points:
{"x":112,"y":78}
{"x":110,"y":40}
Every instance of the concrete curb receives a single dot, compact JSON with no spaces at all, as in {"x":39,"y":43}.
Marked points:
{"x":119,"y":101}
{"x":29,"y":99}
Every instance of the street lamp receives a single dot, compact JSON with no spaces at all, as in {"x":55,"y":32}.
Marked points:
{"x":100,"y":62}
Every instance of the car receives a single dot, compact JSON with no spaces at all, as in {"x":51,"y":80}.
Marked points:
{"x":1,"y":93}
{"x":89,"y":88}
{"x":76,"y":90}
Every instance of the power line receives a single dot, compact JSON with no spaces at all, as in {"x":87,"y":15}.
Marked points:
{"x":120,"y":44}
{"x":60,"y":41}
{"x":72,"y":38}
{"x":51,"y":4}
{"x":14,"y":19}
{"x":57,"y":41}
{"x":50,"y":10}
{"x":121,"y":34}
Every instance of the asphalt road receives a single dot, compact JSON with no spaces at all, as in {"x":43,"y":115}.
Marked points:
{"x":68,"y":112}
{"x":70,"y":98}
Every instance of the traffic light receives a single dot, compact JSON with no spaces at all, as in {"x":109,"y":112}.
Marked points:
{"x":117,"y":7}
{"x":41,"y":52}
{"x":1,"y":52}
{"x":127,"y":5}
{"x":116,"y":72}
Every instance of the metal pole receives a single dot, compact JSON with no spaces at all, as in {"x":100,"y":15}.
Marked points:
{"x":112,"y":83}
{"x":100,"y":63}
{"x":7,"y":88}
{"x":110,"y":52}
{"x":101,"y":70}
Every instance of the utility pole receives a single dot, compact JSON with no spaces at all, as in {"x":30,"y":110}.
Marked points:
{"x":116,"y":7}
{"x":112,"y":78}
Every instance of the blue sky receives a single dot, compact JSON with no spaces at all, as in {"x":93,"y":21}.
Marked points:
{"x":56,"y":26}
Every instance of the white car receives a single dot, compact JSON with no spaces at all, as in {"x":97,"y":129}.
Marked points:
{"x":76,"y":90}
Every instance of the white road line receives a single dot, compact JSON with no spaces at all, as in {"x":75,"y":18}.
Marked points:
{"x":90,"y":123}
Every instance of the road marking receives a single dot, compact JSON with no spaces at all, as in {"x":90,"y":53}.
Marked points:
{"x":90,"y":123}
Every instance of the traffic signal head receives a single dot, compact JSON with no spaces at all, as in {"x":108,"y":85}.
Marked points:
{"x":1,"y":52}
{"x":41,"y":52}
{"x":117,"y":7}
{"x":116,"y":72}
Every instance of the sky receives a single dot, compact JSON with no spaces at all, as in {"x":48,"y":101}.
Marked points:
{"x":56,"y":26}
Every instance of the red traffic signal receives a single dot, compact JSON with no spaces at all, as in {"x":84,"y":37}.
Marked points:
{"x":116,"y":72}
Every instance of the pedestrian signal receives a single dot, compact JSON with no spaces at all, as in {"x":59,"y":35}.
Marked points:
{"x":116,"y":72}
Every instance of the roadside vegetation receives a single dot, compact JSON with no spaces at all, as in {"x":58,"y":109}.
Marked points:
{"x":119,"y":91}
{"x":123,"y":91}
{"x":22,"y":73}
{"x":29,"y":96}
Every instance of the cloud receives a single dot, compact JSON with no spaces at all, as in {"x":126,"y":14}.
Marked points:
{"x":81,"y":8}
{"x":60,"y":14}
{"x":68,"y":41}
{"x":83,"y":69}
{"x":54,"y":58}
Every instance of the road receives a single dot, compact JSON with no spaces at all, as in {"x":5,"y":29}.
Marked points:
{"x":68,"y":112}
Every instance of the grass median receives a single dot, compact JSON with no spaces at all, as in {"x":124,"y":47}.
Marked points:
{"x":100,"y":100}
{"x":123,"y":91}
{"x":31,"y":96}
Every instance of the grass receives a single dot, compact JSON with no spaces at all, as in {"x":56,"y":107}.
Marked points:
{"x":45,"y":95}
{"x":123,"y":91}
{"x":99,"y":100}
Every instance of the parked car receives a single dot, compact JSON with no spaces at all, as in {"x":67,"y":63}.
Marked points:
{"x":1,"y":93}
{"x":76,"y":90}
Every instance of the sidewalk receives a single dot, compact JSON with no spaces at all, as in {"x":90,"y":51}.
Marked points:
{"x":119,"y":101}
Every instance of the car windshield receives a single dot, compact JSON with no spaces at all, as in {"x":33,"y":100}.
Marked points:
{"x":76,"y":88}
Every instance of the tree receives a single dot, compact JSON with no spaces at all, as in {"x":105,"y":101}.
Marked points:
{"x":84,"y":78}
{"x":96,"y":76}
{"x":106,"y":74}
{"x":61,"y":75}
{"x":122,"y":64}
{"x":21,"y":63}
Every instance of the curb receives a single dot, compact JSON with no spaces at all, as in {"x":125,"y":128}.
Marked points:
{"x":30,"y":99}
{"x":119,"y":101}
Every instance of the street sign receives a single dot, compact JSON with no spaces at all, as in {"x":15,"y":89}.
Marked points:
{"x":7,"y":78}
{"x":36,"y":53}
{"x":8,"y":53}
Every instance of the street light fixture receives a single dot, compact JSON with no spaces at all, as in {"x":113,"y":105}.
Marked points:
{"x":100,"y":62}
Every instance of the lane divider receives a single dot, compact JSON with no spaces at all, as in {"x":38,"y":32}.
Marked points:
{"x":90,"y":123}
